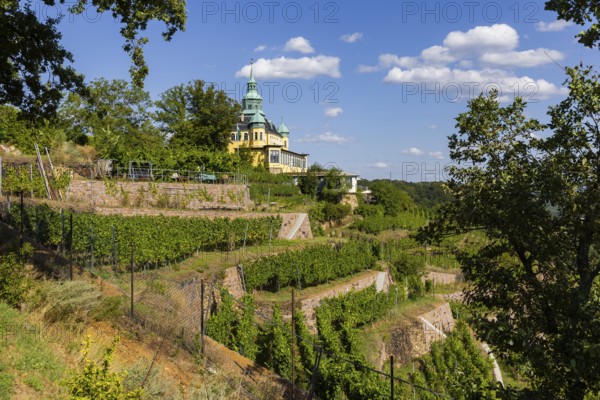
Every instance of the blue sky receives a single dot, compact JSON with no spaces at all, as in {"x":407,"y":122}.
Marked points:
{"x":372,"y":87}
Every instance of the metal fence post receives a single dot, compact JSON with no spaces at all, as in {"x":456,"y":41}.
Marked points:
{"x":392,"y":375}
{"x":202,"y":316}
{"x":132,"y":267}
{"x":71,"y":245}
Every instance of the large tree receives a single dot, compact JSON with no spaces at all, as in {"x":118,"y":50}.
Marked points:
{"x":197,"y":115}
{"x":391,"y":198}
{"x":34,"y":66}
{"x":114,"y":116}
{"x":534,"y":275}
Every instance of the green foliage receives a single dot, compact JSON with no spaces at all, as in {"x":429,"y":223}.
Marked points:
{"x":456,"y":367}
{"x":24,"y":82}
{"x":370,"y":210}
{"x":114,"y":116}
{"x":23,"y":134}
{"x":392,"y":199}
{"x":234,"y":328}
{"x":278,"y":345}
{"x":410,"y":220}
{"x":426,"y":195}
{"x":222,"y":324}
{"x":328,"y":212}
{"x":582,"y":12}
{"x":95,"y":381}
{"x":306,"y":349}
{"x":334,"y":187}
{"x":247,"y":332}
{"x":309,"y":267}
{"x":157,"y":239}
{"x":534,"y":278}
{"x":13,"y":279}
{"x":19,"y":178}
{"x":262,"y":192}
{"x":197,"y":115}
{"x":308,"y":184}
{"x":337,"y":321}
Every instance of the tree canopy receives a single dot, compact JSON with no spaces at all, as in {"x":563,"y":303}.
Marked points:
{"x":197,"y":115}
{"x":581,"y":12}
{"x":34,"y":66}
{"x":391,"y":198}
{"x":115,"y":117}
{"x":535,"y":292}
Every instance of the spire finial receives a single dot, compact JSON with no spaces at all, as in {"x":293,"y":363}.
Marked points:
{"x":251,"y":72}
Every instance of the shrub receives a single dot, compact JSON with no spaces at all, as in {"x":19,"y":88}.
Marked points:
{"x":96,"y":382}
{"x":13,"y":280}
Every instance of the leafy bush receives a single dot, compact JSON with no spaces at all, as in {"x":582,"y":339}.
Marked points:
{"x":329,"y":212}
{"x":456,"y":367}
{"x":95,"y":381}
{"x":13,"y":279}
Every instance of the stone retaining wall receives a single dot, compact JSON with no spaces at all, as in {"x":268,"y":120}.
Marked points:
{"x":414,"y":338}
{"x":189,"y":196}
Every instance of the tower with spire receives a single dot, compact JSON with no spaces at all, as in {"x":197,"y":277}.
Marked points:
{"x":268,"y":144}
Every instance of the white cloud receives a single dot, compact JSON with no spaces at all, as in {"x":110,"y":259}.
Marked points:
{"x":333,"y":111}
{"x":527,"y":58}
{"x":389,"y":60}
{"x":433,"y":126}
{"x":365,"y":69}
{"x":327,"y":137}
{"x":498,"y":37}
{"x":293,"y":68}
{"x":262,"y":47}
{"x":437,"y":55}
{"x":379,"y":165}
{"x":352,"y":37}
{"x":299,"y":44}
{"x":472,"y":82}
{"x":413,"y":151}
{"x":474,"y":61}
{"x":554,"y":26}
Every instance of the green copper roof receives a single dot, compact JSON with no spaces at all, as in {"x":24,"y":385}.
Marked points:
{"x":282,"y":128}
{"x":257,"y":118}
{"x":252,"y":98}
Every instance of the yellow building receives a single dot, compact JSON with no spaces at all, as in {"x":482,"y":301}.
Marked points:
{"x":268,"y":144}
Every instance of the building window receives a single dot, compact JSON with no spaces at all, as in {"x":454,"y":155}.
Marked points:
{"x":261,"y":137}
{"x":274,"y":158}
{"x":285,"y":143}
{"x":233,"y":137}
{"x":245,"y":135}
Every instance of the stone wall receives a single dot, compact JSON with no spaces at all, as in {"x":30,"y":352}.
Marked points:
{"x":189,"y":196}
{"x":413,"y":338}
{"x":289,"y":223}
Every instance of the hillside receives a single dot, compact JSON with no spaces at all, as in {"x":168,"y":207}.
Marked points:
{"x":212,"y":298}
